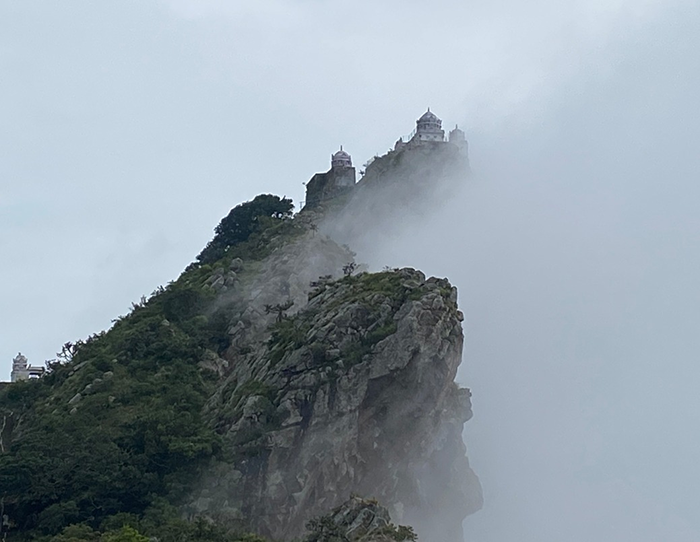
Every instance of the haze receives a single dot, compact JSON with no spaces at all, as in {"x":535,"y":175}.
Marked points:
{"x":128,"y":129}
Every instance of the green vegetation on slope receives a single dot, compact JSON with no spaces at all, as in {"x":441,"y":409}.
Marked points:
{"x":242,"y":222}
{"x":376,"y":296}
{"x":108,"y":444}
{"x":117,"y":428}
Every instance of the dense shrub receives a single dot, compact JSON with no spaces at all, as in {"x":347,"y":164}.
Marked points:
{"x":117,"y":425}
{"x":242,"y":222}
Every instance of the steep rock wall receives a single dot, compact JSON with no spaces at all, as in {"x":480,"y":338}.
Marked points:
{"x":352,"y":392}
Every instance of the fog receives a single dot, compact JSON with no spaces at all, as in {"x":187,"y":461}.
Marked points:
{"x":127,"y":130}
{"x":575,"y":249}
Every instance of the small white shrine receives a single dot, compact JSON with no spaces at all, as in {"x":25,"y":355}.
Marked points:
{"x":341,"y":159}
{"x":21,"y":370}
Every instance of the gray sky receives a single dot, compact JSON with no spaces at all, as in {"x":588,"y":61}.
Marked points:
{"x":128,"y":129}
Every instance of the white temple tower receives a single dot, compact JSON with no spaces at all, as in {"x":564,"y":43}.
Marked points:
{"x":19,"y":368}
{"x":429,"y":128}
{"x":22,"y":371}
{"x":458,"y":139}
{"x":341,"y":159}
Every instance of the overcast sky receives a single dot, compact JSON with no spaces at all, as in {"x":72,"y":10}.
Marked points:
{"x":128,"y":129}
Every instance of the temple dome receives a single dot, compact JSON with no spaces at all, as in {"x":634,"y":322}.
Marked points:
{"x":341,"y":159}
{"x":429,"y":116}
{"x":457,"y":134}
{"x":429,"y":127}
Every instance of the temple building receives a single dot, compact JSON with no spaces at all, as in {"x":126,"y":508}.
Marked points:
{"x":341,"y":159}
{"x":334,"y":182}
{"x":458,"y":139}
{"x":22,"y":371}
{"x":340,"y":179}
{"x":429,"y":128}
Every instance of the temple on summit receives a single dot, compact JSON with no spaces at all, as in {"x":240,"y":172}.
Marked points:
{"x":429,"y":129}
{"x":337,"y":180}
{"x":340,"y":179}
{"x":341,"y":159}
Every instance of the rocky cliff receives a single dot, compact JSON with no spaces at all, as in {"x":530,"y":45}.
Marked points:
{"x":352,"y":392}
{"x":274,"y":378}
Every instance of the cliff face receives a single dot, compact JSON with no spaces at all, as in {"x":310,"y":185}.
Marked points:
{"x":263,"y":387}
{"x":352,"y":393}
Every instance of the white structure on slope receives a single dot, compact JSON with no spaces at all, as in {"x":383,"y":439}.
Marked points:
{"x":22,"y":371}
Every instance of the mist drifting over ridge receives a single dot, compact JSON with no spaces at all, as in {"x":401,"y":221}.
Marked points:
{"x":574,"y":247}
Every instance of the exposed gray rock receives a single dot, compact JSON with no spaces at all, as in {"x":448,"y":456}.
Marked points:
{"x":77,"y":368}
{"x":219,"y":283}
{"x":352,"y":392}
{"x":214,"y":363}
{"x":356,"y":520}
{"x":236,"y":264}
